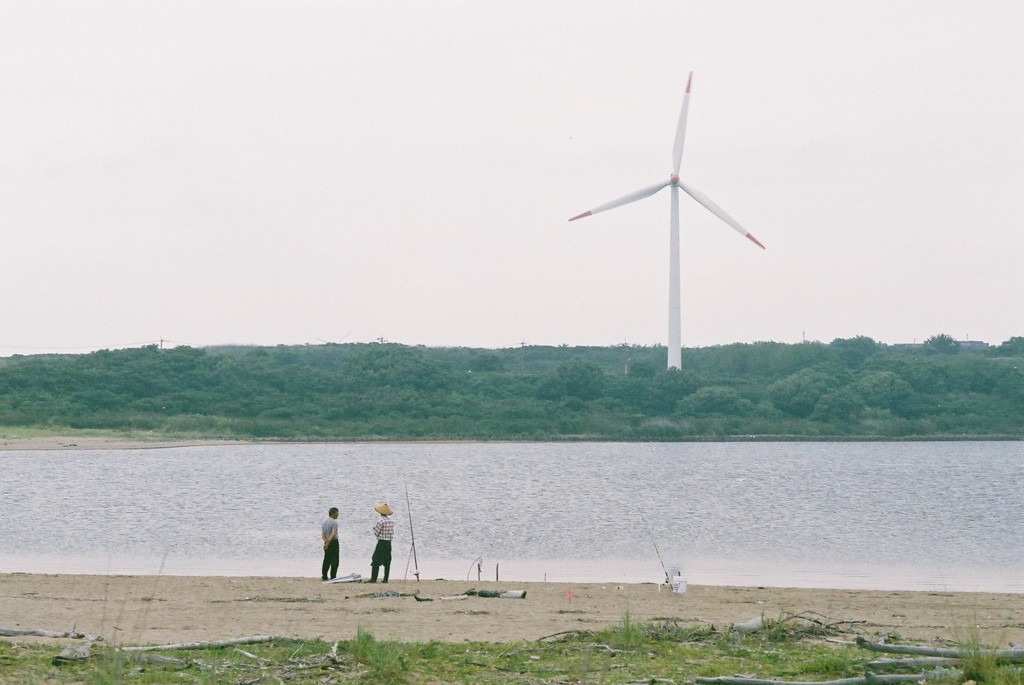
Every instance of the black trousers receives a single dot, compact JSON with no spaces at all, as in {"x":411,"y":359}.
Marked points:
{"x":381,"y":557}
{"x":329,"y":571}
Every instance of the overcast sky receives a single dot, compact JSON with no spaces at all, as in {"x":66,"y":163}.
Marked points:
{"x":287,"y":172}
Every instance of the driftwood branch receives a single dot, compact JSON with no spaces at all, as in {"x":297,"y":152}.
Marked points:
{"x":1000,"y":655}
{"x":824,"y":622}
{"x":84,"y":652}
{"x":159,"y":659}
{"x":39,"y":632}
{"x":881,"y":664}
{"x":333,"y":654}
{"x":867,"y":679}
{"x":250,"y":655}
{"x":204,"y":645}
{"x":607,"y":648}
{"x":564,"y":632}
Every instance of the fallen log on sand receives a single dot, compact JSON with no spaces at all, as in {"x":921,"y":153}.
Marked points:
{"x":869,"y":679}
{"x":917,"y":662}
{"x":39,"y":632}
{"x":203,"y":645}
{"x":1000,"y":655}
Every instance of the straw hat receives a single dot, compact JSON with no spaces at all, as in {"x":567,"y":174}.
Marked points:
{"x":383,"y":509}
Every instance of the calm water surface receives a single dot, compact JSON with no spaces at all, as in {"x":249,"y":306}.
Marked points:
{"x":857,"y":515}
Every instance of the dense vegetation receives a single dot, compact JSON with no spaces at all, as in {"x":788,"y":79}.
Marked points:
{"x":847,"y":389}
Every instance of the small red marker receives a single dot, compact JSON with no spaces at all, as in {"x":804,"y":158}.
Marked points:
{"x":568,"y":594}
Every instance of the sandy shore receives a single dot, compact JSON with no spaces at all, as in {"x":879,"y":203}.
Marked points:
{"x":168,"y":609}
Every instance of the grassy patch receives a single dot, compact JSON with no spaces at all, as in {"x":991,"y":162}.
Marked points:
{"x":631,"y":652}
{"x":980,"y":664}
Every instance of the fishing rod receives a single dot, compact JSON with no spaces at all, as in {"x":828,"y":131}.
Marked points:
{"x":408,"y":508}
{"x":656,"y":550}
{"x":478,"y":562}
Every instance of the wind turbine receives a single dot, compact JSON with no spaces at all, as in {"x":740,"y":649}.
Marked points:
{"x":673,"y":182}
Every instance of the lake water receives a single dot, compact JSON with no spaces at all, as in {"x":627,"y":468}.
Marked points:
{"x":946,"y":516}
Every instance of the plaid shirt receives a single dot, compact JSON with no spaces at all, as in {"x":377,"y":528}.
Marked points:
{"x":384,"y":529}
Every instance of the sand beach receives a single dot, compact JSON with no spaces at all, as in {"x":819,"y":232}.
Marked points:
{"x":157,"y":609}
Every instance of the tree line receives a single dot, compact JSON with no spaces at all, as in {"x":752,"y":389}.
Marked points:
{"x":852,"y":388}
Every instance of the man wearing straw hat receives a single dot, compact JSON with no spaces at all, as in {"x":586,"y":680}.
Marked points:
{"x":384,"y":530}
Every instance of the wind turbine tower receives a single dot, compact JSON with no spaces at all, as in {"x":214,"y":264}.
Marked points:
{"x":673,"y":182}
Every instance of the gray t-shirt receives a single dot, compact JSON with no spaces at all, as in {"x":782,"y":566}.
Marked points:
{"x":330,"y":527}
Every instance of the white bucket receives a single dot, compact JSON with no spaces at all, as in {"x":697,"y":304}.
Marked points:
{"x":678,"y":584}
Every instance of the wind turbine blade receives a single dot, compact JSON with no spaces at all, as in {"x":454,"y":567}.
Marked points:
{"x":719,"y":212}
{"x":624,"y":200}
{"x":677,"y":148}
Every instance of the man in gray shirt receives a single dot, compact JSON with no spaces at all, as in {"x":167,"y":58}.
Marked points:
{"x":329,"y":534}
